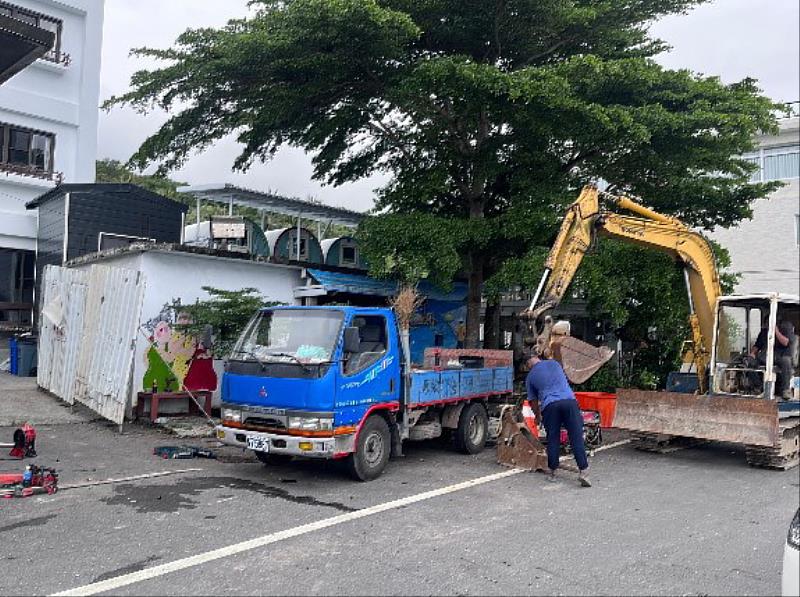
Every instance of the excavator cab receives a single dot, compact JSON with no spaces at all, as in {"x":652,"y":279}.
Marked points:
{"x":749,"y":357}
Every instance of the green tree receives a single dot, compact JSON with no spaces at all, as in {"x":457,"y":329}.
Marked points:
{"x":483,"y":112}
{"x":226,"y":312}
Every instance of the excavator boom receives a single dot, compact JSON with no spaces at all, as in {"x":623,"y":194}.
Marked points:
{"x":585,"y":219}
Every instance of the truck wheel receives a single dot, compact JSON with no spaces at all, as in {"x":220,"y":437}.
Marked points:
{"x":272,"y":459}
{"x":372,"y":450}
{"x":473,"y":429}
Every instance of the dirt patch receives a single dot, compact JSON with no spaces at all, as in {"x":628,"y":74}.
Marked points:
{"x":134,"y":567}
{"x":178,"y":496}
{"x":31,"y":522}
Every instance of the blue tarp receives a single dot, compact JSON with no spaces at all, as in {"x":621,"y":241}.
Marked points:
{"x":360,"y":284}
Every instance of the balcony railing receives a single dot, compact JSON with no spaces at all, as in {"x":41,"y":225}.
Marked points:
{"x":23,"y":170}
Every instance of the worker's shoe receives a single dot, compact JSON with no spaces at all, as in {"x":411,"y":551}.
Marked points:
{"x":551,"y":476}
{"x":583,"y":479}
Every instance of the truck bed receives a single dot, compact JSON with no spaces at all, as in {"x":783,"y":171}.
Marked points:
{"x":432,"y":386}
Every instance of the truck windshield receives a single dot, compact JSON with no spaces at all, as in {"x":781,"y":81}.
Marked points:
{"x":304,"y":336}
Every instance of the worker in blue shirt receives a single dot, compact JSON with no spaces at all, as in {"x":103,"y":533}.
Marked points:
{"x":550,"y":395}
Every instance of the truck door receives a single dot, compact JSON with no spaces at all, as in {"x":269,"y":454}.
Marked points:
{"x":371,"y":375}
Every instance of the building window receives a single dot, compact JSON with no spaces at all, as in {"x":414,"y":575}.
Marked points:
{"x":775,"y":163}
{"x":26,"y":151}
{"x":293,"y":248}
{"x":16,"y":288}
{"x":348,"y":255}
{"x":781,"y":163}
{"x":42,"y":21}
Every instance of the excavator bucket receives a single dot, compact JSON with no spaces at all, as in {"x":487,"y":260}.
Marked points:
{"x":579,"y":359}
{"x":749,"y":421}
{"x":516,"y":446}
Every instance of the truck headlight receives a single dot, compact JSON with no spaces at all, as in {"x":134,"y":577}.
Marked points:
{"x":310,"y":423}
{"x":231,"y":414}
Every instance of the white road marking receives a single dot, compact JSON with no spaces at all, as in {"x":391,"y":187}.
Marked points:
{"x":209,"y":556}
{"x":237,"y":548}
{"x":125,"y":479}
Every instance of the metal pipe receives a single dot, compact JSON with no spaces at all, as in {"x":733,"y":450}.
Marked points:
{"x":535,"y":300}
{"x":688,"y":289}
{"x":641,"y":210}
{"x":197,"y":220}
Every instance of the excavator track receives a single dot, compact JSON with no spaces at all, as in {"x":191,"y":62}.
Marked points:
{"x":660,"y":443}
{"x":785,"y":454}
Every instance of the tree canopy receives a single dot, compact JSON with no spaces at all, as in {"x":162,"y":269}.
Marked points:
{"x":487,"y":115}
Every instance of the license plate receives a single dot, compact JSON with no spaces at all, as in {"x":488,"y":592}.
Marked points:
{"x":259,"y":443}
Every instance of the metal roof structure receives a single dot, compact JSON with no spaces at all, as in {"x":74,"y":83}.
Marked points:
{"x":331,"y":282}
{"x":20,"y":44}
{"x":269,"y":202}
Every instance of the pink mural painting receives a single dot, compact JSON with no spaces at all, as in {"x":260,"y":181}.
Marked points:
{"x":177,"y":360}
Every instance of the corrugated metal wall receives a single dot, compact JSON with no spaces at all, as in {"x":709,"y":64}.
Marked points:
{"x":87,"y":354}
{"x":59,"y":342}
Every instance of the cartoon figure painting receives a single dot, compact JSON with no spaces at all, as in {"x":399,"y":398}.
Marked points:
{"x":175,"y":359}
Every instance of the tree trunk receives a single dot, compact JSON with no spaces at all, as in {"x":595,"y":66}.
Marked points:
{"x":491,"y":326}
{"x":474,"y":301}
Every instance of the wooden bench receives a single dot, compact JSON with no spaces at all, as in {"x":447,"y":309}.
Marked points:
{"x":158,"y":397}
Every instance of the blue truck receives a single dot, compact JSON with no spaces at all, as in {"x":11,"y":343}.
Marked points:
{"x":335,"y":383}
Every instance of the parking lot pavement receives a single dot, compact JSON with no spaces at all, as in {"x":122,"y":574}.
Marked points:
{"x":697,"y":521}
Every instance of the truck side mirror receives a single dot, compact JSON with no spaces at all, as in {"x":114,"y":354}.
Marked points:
{"x":352,"y":339}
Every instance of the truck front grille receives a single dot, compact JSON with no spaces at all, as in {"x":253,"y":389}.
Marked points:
{"x":265,"y":422}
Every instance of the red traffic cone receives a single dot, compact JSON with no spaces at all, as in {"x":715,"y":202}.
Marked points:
{"x":529,"y":418}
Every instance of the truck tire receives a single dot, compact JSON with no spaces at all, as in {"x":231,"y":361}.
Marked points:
{"x":473,"y":429}
{"x":372,"y":450}
{"x":273,"y":459}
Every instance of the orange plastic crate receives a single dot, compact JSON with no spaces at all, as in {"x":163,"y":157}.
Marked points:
{"x":603,"y":402}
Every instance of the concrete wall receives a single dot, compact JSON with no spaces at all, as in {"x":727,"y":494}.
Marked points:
{"x":171,"y":276}
{"x":765,"y":249}
{"x":56,"y":98}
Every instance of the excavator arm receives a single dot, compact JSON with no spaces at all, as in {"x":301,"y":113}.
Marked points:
{"x":585,"y":219}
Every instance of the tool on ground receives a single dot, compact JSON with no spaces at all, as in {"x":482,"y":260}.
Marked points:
{"x":24,"y":444}
{"x":183,"y":452}
{"x":34,"y":480}
{"x":516,"y":446}
{"x":592,"y":434}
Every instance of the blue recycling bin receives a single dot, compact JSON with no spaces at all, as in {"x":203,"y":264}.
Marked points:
{"x":26,"y":357}
{"x":13,"y":357}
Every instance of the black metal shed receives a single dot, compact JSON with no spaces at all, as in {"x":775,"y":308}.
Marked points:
{"x":78,"y":219}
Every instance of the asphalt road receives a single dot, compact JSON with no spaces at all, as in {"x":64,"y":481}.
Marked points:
{"x":698,"y":521}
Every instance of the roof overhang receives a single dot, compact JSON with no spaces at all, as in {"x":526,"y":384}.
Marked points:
{"x":232,"y":195}
{"x":332,"y":282}
{"x":20,"y":45}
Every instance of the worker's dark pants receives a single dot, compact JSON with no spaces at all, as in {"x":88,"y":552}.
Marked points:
{"x":558,"y":414}
{"x":783,"y":363}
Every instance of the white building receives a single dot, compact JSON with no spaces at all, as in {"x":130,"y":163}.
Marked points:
{"x":766,"y":249}
{"x":48,"y":133}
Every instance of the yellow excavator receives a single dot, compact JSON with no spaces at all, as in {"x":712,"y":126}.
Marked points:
{"x":726,"y":390}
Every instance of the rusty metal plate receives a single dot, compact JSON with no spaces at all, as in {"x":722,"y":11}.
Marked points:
{"x":751,"y":421}
{"x":516,"y":446}
{"x":579,"y":359}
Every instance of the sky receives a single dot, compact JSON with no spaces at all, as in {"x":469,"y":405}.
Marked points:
{"x":732,"y":39}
